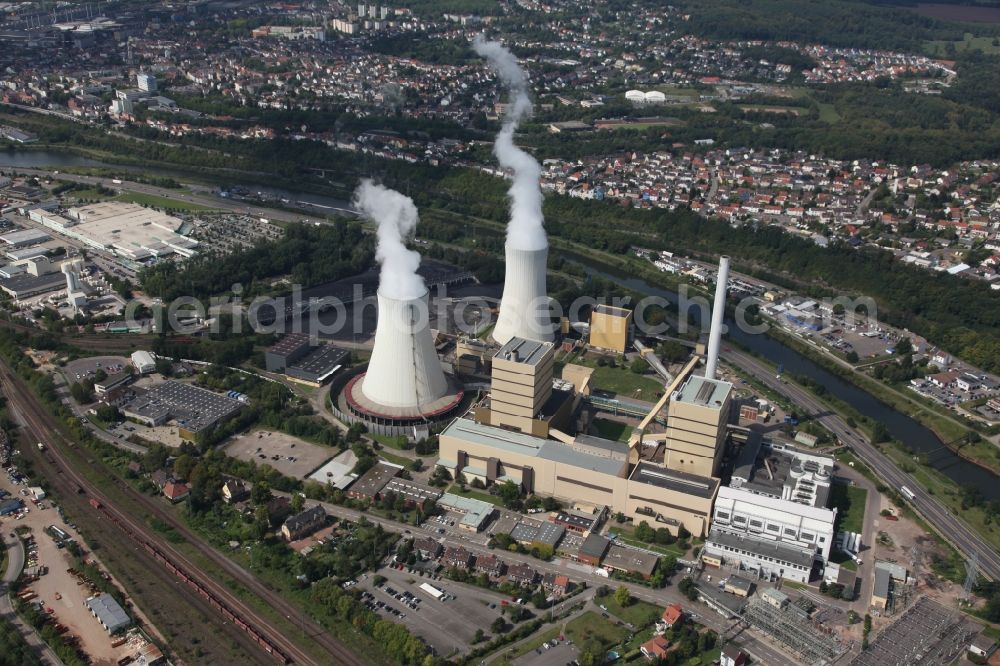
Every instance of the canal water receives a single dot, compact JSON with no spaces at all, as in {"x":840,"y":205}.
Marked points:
{"x":902,"y":427}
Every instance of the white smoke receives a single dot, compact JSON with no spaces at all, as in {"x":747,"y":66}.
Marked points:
{"x":525,"y":230}
{"x":396,"y":217}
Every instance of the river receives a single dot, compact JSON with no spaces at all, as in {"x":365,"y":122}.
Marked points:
{"x":915,"y":436}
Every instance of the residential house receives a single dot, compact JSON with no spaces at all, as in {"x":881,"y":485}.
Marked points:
{"x":456,"y":556}
{"x":732,"y":656}
{"x":234,"y":490}
{"x":427,"y":548}
{"x":521,"y":574}
{"x":176,"y":491}
{"x":490,"y":565}
{"x":557,"y":584}
{"x":303,"y":524}
{"x":672,"y":615}
{"x":655,"y":648}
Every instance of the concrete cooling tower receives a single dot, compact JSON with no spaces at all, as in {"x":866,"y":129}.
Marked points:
{"x":404,"y":389}
{"x":523,"y":306}
{"x":404,"y":371}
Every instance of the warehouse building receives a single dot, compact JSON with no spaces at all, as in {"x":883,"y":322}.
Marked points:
{"x":318,"y":365}
{"x":126,"y":229}
{"x":286,"y":351}
{"x":24,"y":238}
{"x":193,"y":408}
{"x":108,"y":612}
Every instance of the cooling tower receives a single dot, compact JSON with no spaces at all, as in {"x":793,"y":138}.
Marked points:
{"x":718,"y":312}
{"x":523,"y":306}
{"x":404,"y":371}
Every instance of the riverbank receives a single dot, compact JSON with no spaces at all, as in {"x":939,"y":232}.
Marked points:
{"x":951,"y":433}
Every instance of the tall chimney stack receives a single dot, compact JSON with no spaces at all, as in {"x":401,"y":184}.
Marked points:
{"x":718,"y":312}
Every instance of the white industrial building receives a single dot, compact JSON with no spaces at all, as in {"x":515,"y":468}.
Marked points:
{"x":143,"y":361}
{"x":129,"y":230}
{"x":772,"y":518}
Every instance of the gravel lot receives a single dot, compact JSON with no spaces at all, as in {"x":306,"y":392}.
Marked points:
{"x":261,"y":446}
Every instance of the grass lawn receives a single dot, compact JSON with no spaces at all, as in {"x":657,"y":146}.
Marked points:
{"x":475,"y":494}
{"x":794,"y":585}
{"x":623,"y":381}
{"x":843,"y":559}
{"x":828,"y":113}
{"x":613,"y":430}
{"x":396,"y":460}
{"x":639,"y":614}
{"x":626,"y":534}
{"x":90,"y":194}
{"x":591,"y":625}
{"x":850,"y":504}
{"x":161,"y":202}
{"x":386,"y":440}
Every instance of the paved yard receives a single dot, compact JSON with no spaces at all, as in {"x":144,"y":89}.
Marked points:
{"x":70,"y":610}
{"x":80,"y":369}
{"x":563,"y":653}
{"x":289,"y":455}
{"x":448,"y":626}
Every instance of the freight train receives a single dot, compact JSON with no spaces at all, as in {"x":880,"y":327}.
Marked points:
{"x":217,"y":603}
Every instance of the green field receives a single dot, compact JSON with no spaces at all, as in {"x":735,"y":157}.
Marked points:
{"x":90,"y":194}
{"x":590,"y":625}
{"x":624,"y":382}
{"x":828,"y":113}
{"x":395,"y":460}
{"x":475,"y":494}
{"x":161,"y":202}
{"x":850,"y":504}
{"x":938,"y":48}
{"x":639,"y":614}
{"x":613,"y":430}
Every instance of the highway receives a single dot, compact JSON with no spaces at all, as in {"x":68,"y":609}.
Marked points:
{"x":939,"y":516}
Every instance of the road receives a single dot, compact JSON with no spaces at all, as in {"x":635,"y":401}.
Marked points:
{"x":750,"y":640}
{"x":15,"y":563}
{"x":939,"y":516}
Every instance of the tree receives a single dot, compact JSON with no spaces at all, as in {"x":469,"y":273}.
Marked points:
{"x":480,"y":635}
{"x":509,"y":492}
{"x":499,"y":626}
{"x":682,"y":533}
{"x":638,"y":366}
{"x":261,"y":492}
{"x":643,"y":532}
{"x":623,"y":597}
{"x":298,"y":500}
{"x":852,"y":356}
{"x":879,"y":432}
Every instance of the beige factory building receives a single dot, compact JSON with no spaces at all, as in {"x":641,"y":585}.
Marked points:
{"x":696,"y":425}
{"x":611,"y":328}
{"x":521,"y":435}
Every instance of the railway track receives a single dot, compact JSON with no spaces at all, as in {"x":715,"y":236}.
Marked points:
{"x":45,"y":427}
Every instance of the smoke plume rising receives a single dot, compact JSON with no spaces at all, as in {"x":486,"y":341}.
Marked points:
{"x":396,"y":217}
{"x":525,"y":230}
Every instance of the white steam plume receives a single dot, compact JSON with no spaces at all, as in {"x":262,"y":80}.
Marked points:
{"x":525,"y":230}
{"x":396,"y":217}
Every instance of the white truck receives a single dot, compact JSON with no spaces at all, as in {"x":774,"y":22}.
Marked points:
{"x":41,"y":447}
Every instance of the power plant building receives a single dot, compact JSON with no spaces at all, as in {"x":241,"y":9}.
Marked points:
{"x":696,"y":425}
{"x":611,"y":328}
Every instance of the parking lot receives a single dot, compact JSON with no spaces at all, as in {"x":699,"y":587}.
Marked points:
{"x":289,"y":455}
{"x":448,"y":626}
{"x":83,"y":368}
{"x":563,"y":653}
